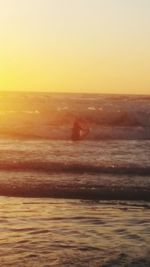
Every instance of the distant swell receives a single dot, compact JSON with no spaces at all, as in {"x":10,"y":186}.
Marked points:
{"x":75,"y":167}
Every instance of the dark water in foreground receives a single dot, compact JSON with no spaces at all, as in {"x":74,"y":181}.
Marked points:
{"x":53,"y":232}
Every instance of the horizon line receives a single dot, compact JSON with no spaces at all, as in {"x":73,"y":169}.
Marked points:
{"x":67,"y":92}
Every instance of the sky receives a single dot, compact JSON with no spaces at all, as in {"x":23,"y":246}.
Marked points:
{"x":91,"y":46}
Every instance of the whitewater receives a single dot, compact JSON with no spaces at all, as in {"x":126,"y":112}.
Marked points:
{"x":65,"y":203}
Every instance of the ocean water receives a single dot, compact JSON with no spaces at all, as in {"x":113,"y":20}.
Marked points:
{"x":65,"y":203}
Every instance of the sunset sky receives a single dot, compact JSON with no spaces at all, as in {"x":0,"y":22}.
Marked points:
{"x":75,"y":46}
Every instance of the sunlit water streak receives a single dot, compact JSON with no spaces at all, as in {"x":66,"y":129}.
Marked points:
{"x":54,"y":232}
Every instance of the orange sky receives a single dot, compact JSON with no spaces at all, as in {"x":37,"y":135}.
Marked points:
{"x":75,"y":46}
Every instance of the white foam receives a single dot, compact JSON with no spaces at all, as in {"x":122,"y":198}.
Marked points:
{"x":91,"y":108}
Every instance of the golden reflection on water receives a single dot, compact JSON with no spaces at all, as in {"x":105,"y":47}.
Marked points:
{"x":57,"y":230}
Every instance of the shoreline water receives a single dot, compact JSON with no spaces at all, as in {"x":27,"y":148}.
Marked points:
{"x":57,"y":232}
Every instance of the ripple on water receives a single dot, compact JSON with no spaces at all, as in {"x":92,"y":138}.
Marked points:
{"x":73,"y":233}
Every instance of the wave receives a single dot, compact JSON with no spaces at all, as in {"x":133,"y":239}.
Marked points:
{"x":75,"y":167}
{"x":96,"y":133}
{"x":39,"y":186}
{"x":51,"y":116}
{"x":44,"y":190}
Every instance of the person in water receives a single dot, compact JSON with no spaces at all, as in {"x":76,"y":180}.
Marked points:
{"x":80,"y":130}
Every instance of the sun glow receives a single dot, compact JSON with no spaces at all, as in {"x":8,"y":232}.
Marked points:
{"x":86,"y":46}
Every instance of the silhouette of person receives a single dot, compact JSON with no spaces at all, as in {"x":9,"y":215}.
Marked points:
{"x":79,"y":130}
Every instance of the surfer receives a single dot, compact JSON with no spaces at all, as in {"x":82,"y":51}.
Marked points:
{"x":80,"y":129}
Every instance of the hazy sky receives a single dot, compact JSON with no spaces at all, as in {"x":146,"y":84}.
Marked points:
{"x":75,"y":45}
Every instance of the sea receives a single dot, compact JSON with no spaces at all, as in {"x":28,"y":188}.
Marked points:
{"x":70,"y":203}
